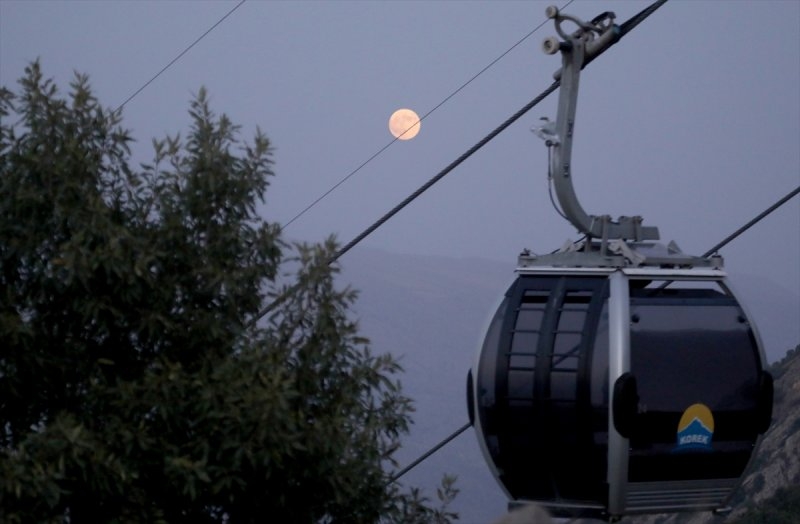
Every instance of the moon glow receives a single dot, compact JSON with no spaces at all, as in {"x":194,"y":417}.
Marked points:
{"x":404,"y":124}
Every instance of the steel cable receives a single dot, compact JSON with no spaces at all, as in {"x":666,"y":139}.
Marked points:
{"x":625,"y":28}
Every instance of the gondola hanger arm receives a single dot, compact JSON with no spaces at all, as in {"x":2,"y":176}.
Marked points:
{"x":578,"y":49}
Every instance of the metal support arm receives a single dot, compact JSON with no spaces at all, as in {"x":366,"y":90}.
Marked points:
{"x":577,"y":50}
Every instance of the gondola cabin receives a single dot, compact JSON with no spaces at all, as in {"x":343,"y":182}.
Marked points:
{"x":618,"y":375}
{"x":604,"y":391}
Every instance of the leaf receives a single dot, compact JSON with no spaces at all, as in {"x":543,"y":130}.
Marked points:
{"x":131,"y":375}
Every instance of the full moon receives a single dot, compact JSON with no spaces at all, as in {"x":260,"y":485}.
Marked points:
{"x":404,"y":124}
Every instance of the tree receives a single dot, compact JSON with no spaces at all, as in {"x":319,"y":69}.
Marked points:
{"x":134,"y":385}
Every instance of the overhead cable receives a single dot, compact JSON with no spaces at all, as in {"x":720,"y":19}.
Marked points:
{"x":437,"y":106}
{"x":625,"y":28}
{"x":229,"y":13}
{"x":750,"y":224}
{"x":628,"y":26}
{"x":427,"y":185}
{"x":708,"y":253}
{"x":428,"y":453}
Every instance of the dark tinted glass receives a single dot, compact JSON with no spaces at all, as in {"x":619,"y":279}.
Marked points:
{"x":696,"y":363}
{"x":684,"y":354}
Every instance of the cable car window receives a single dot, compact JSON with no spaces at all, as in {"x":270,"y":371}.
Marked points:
{"x":520,"y":385}
{"x":705,"y":349}
{"x":530,"y":316}
{"x":526,"y":328}
{"x":520,"y":360}
{"x":697,"y":365}
{"x":523,"y":345}
{"x":562,"y":387}
{"x":565,"y":355}
{"x":570,"y":328}
{"x":572,"y":319}
{"x":524,"y":342}
{"x":533,"y":389}
{"x":488,"y":361}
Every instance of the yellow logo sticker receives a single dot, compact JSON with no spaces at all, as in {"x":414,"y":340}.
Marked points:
{"x":695,"y":429}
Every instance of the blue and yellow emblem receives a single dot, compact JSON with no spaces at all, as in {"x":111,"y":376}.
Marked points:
{"x":696,"y":429}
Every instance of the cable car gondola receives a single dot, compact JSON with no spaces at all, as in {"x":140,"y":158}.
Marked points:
{"x":618,"y":375}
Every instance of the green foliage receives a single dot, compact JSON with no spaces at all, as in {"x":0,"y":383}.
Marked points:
{"x":132,"y":386}
{"x":415,"y":509}
{"x":782,"y":508}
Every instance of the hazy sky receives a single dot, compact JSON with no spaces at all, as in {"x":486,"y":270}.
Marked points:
{"x":692,"y":120}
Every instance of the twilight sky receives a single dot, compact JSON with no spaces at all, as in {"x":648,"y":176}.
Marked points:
{"x":692,"y":120}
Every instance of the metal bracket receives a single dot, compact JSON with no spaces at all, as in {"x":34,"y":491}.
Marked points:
{"x":618,"y":253}
{"x":577,"y":49}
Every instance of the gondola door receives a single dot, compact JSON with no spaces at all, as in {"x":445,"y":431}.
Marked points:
{"x":695,"y":398}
